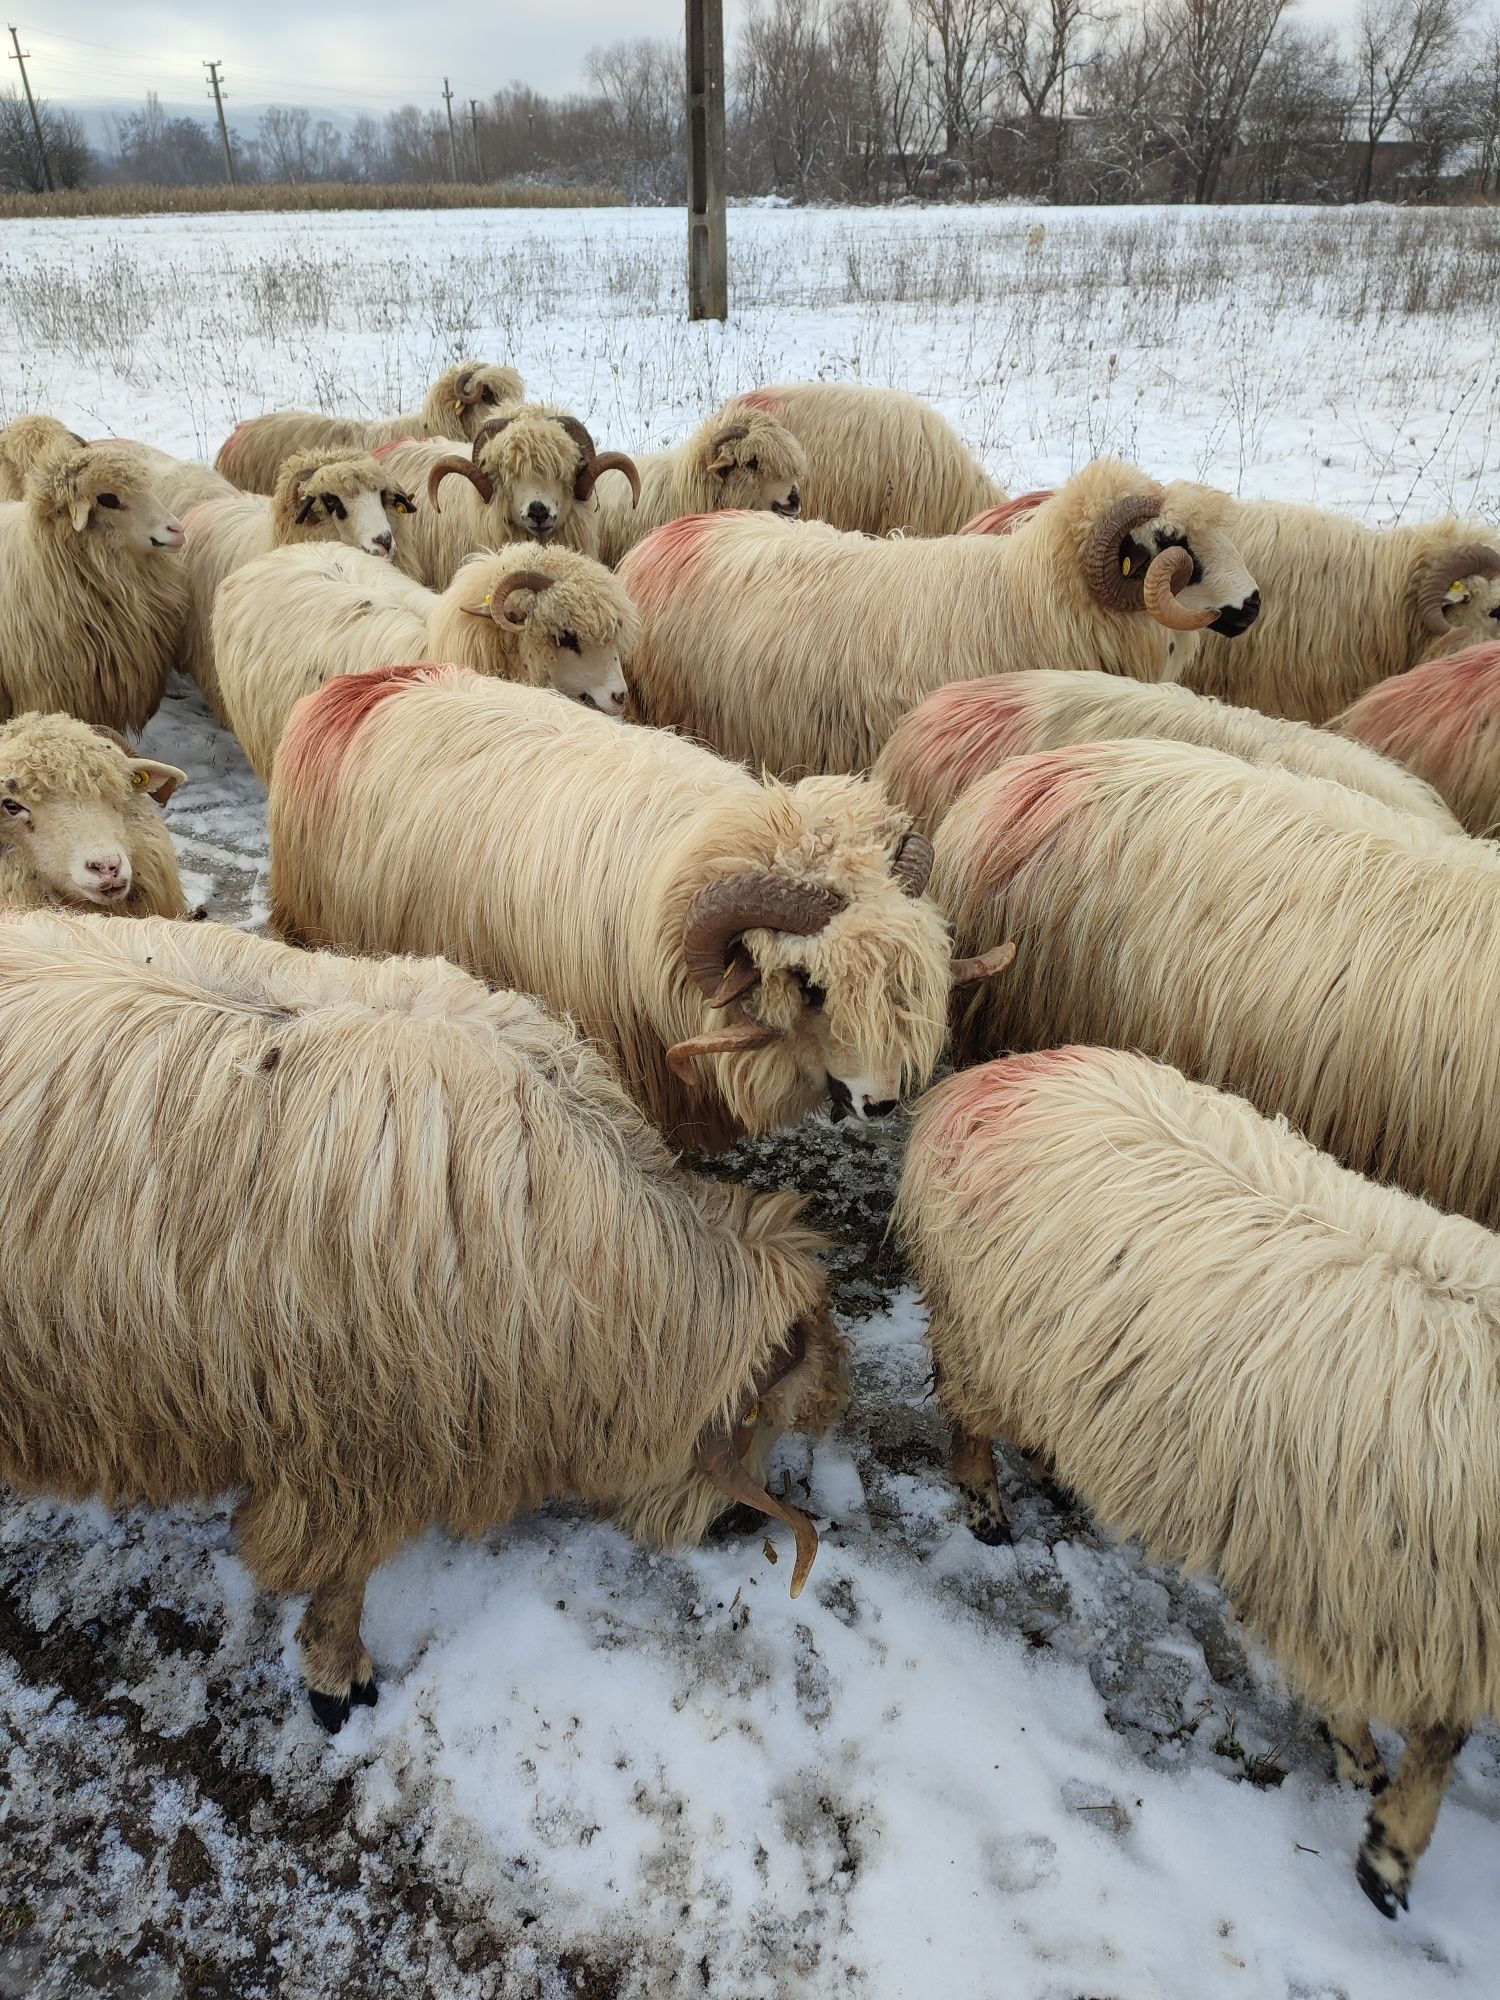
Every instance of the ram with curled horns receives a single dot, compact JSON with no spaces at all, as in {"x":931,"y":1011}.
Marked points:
{"x":739,"y":458}
{"x":528,"y":476}
{"x":800,"y":650}
{"x":750,"y":952}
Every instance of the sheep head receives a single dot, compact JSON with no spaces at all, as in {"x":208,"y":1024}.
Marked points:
{"x":569,"y":619}
{"x":66,"y":789}
{"x":1447,"y":600}
{"x":534,"y":465}
{"x":1168,"y":553}
{"x":102,"y":493}
{"x":744,"y":458}
{"x":344,"y":499}
{"x":462,"y":398}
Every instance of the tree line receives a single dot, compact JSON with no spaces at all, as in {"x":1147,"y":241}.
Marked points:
{"x":876,"y":100}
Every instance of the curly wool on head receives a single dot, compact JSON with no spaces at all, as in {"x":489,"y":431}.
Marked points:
{"x":739,"y":458}
{"x":426,"y":1214}
{"x":22,"y":442}
{"x":460,"y":401}
{"x":745,"y":950}
{"x":965,"y":731}
{"x":800,"y":648}
{"x":1302,"y":954}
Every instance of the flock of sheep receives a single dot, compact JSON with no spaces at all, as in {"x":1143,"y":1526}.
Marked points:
{"x":761,"y":809}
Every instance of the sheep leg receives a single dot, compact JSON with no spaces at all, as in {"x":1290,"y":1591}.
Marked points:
{"x":1356,"y":1761}
{"x":1403,"y":1816}
{"x":335,"y":1665}
{"x":972,"y":1463}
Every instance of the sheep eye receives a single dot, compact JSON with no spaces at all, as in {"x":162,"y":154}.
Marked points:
{"x":812,"y":993}
{"x":486,"y":395}
{"x":13,"y":806}
{"x":109,"y":499}
{"x":752,"y":465}
{"x":337,"y":511}
{"x":570,"y":641}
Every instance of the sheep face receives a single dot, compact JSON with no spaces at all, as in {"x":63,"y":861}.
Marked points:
{"x":64,"y":794}
{"x":754,"y":462}
{"x":101,"y":494}
{"x":1195,"y":518}
{"x":341,"y":499}
{"x":360,"y":520}
{"x":568,"y":619}
{"x":1471,"y":610}
{"x":535,"y":467}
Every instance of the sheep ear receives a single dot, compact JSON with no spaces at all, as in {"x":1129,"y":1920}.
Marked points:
{"x":484,"y":609}
{"x":80,"y":510}
{"x":158,"y":780}
{"x":721,"y":464}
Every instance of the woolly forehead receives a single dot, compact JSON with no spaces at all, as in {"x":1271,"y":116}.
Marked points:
{"x":345,"y":477}
{"x":777,"y":453}
{"x":62,"y":478}
{"x":503,"y":384}
{"x":584,"y":598}
{"x":533,"y":441}
{"x":58,"y":757}
{"x":1189,"y":509}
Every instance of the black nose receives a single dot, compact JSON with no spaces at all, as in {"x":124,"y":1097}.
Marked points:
{"x":843,"y":1102}
{"x":383,"y":542}
{"x":538,"y":511}
{"x":1237,"y":618}
{"x":882,"y":1109}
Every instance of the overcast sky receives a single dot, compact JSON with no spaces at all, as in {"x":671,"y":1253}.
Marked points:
{"x":377,"y":55}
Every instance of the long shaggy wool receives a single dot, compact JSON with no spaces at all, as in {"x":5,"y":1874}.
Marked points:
{"x":879,"y":462}
{"x":253,"y":453}
{"x":294,"y":619}
{"x":1340,"y":609}
{"x":1440,"y":720}
{"x":22,"y":442}
{"x":798,"y":648}
{"x":376,"y":1245}
{"x":181,"y":482}
{"x":965,"y":731}
{"x":1234,"y":1349}
{"x":546,"y":848}
{"x":1324,"y":956}
{"x":82,"y":795}
{"x":706,"y":472}
{"x":90,"y":623}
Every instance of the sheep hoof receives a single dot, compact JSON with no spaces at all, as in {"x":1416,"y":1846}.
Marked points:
{"x":1386,"y":1895}
{"x":364,"y":1694}
{"x":332,"y":1710}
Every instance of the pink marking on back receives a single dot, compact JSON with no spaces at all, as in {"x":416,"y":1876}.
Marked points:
{"x":385,"y":450}
{"x":1007,"y":517}
{"x":957,"y":735}
{"x":1025,"y":804}
{"x":1433,"y":710}
{"x":958,"y":1116}
{"x":658,"y":567}
{"x":324,"y":724}
{"x":768,"y":401}
{"x":226,"y":449}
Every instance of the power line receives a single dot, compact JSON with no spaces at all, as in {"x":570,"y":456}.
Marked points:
{"x":36,"y":123}
{"x":452,"y":143}
{"x":213,"y":69}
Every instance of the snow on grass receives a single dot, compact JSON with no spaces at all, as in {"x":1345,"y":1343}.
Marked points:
{"x":1033,"y":1773}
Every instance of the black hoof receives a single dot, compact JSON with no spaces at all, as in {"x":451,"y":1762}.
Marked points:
{"x":332,"y":1710}
{"x":988,"y":1525}
{"x":1386,"y":1899}
{"x":364,"y":1694}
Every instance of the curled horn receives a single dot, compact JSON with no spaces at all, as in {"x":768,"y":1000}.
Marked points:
{"x":519,"y":579}
{"x":303,"y":507}
{"x":485,"y":432}
{"x":480,"y":481}
{"x":912,"y":863}
{"x":738,"y":1040}
{"x":721,"y":913}
{"x":610,"y":461}
{"x":464,"y":388}
{"x":1101,"y":556}
{"x":1171,"y":570}
{"x":730,"y":434}
{"x":1452,"y":566}
{"x":973,"y":971}
{"x":113,"y":736}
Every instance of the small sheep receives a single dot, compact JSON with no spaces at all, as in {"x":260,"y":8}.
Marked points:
{"x":741,"y":458}
{"x":1347,"y":606}
{"x":92,"y":593}
{"x":294,"y":619}
{"x":22,"y":442}
{"x":77,"y":822}
{"x":530,"y":475}
{"x":1250,"y":1359}
{"x":1267,"y":932}
{"x":749,"y":952}
{"x":965,"y":731}
{"x":378,"y":1250}
{"x":462,"y":399}
{"x":801,"y":648}
{"x":1036,"y":236}
{"x":344,"y":498}
{"x":879,"y":462}
{"x":1440,"y":720}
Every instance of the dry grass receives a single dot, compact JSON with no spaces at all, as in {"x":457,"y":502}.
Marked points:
{"x":323,"y":196}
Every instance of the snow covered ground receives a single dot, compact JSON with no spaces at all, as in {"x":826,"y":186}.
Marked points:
{"x":1038,"y":1773}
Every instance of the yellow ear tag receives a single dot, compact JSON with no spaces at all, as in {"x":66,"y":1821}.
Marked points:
{"x":752,"y":1415}
{"x":458,"y":406}
{"x":489,"y":598}
{"x":1458,"y":593}
{"x":1124,"y":565}
{"x":140,"y":779}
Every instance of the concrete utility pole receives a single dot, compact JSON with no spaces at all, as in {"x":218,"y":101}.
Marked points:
{"x":213,"y":69}
{"x":452,"y":142}
{"x":36,"y":123}
{"x":474,"y":128}
{"x":708,"y":247}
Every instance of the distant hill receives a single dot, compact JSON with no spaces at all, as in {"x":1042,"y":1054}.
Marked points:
{"x":99,"y":113}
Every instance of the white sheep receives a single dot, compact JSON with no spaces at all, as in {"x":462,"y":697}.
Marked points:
{"x":462,"y":399}
{"x":879,"y":461}
{"x":92,"y":592}
{"x":320,"y":498}
{"x":747,"y":951}
{"x":798,"y":648}
{"x":79,"y":823}
{"x":291,"y":620}
{"x":1440,"y":720}
{"x":740,"y":458}
{"x":965,"y":731}
{"x":1249,"y":1358}
{"x":22,"y":442}
{"x":373,"y":1249}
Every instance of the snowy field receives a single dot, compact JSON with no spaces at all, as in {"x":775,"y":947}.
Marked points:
{"x":1047,"y":1772}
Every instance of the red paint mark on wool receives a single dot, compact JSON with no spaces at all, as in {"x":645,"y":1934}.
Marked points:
{"x":958,"y":735}
{"x":1007,"y":517}
{"x":959,"y":1114}
{"x":1024,"y":806}
{"x":227,"y":448}
{"x":657,"y":568}
{"x":385,"y":450}
{"x":1439,"y":704}
{"x":324,"y":724}
{"x":767,"y":401}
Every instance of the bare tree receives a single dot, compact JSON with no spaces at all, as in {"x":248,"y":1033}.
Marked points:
{"x":1398,"y":46}
{"x":1294,"y":121}
{"x":1218,"y":48}
{"x":641,"y":82}
{"x":783,"y":81}
{"x":20,"y":163}
{"x":962,"y":55}
{"x":1041,"y":45}
{"x":1484,"y":101}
